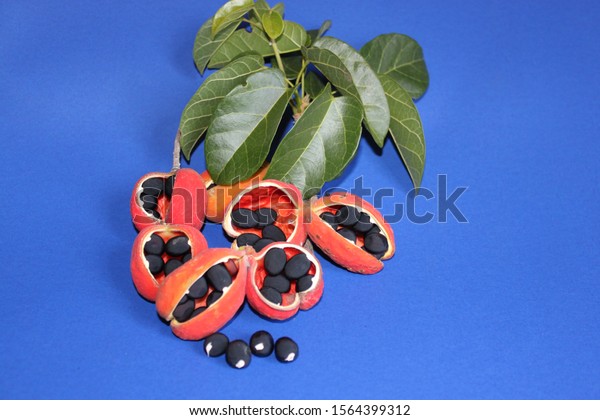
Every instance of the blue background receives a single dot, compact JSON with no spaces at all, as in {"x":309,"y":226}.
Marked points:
{"x":504,"y":306}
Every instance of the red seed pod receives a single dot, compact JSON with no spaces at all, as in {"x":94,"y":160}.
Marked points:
{"x":179,"y":199}
{"x":145,"y":282}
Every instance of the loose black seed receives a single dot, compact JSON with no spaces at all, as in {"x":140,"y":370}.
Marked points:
{"x":178,"y":246}
{"x":215,"y":345}
{"x":149,"y":202}
{"x":154,"y":246}
{"x":286,"y":350}
{"x":169,"y":184}
{"x":329,"y":218}
{"x":243,"y":218}
{"x":273,"y":232}
{"x":265,"y":216}
{"x":171,"y":265}
{"x":155,"y":263}
{"x":247,"y":239}
{"x":261,"y":243}
{"x":198,"y":289}
{"x":153,"y":186}
{"x":219,"y":277}
{"x":347,"y":215}
{"x":183,"y":310}
{"x":348,"y":234}
{"x":297,"y":266}
{"x":275,"y":260}
{"x":374,"y":229}
{"x":238,"y":354}
{"x":304,"y":283}
{"x":376,"y":243}
{"x":271,"y":295}
{"x":364,"y":224}
{"x":198,"y":311}
{"x":261,"y":344}
{"x":186,"y":257}
{"x":213,"y":297}
{"x":279,"y":283}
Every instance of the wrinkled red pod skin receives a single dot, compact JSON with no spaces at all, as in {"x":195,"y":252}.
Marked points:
{"x":145,"y":283}
{"x":292,"y":301}
{"x":187,"y":205}
{"x":218,"y":314}
{"x":286,"y":199}
{"x":340,"y":250}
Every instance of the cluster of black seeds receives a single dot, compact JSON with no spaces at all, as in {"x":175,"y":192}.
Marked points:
{"x":262,"y":219}
{"x":351,"y":223}
{"x":177,"y":251}
{"x":212,"y":283}
{"x":152,"y":189}
{"x":238,"y":354}
{"x":281,"y":272}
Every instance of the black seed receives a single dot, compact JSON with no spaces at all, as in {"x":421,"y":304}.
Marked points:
{"x":219,"y":277}
{"x":215,"y":345}
{"x":376,"y":255}
{"x":297,"y":266}
{"x":376,"y":243}
{"x":169,"y":184}
{"x":149,"y":202}
{"x":261,"y":344}
{"x":247,"y":239}
{"x":238,"y":354}
{"x":261,"y":243}
{"x":186,"y":257}
{"x":265,"y":216}
{"x":184,"y":309}
{"x":172,"y":265}
{"x":154,"y":213}
{"x":275,"y":260}
{"x":347,"y":215}
{"x":348,"y":234}
{"x":213,"y":297}
{"x":286,"y":350}
{"x":374,"y":229}
{"x":271,"y":295}
{"x":279,"y":283}
{"x":273,"y":232}
{"x":243,"y":218}
{"x":304,"y":283}
{"x":329,"y":218}
{"x":198,"y":289}
{"x":198,"y":311}
{"x":364,"y":224}
{"x":155,"y":246}
{"x":155,"y":263}
{"x":153,"y":186}
{"x":178,"y":246}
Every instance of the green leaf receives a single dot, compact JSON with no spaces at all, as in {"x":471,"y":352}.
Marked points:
{"x":313,"y":85}
{"x":230,"y":12}
{"x":243,"y":127}
{"x":279,"y":8}
{"x":315,"y":34}
{"x":272,"y":24}
{"x":356,"y":77}
{"x":293,"y":38}
{"x":205,"y":46}
{"x":292,"y":64}
{"x":406,"y":128}
{"x":198,"y":113}
{"x":320,"y":144}
{"x":261,"y":7}
{"x":400,"y":57}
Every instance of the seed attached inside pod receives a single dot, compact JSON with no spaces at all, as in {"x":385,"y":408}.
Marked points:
{"x":243,"y":218}
{"x":304,"y":283}
{"x":198,"y":289}
{"x":177,"y":246}
{"x":171,"y":265}
{"x":261,"y":344}
{"x":155,"y":263}
{"x":286,"y":350}
{"x":265,"y":216}
{"x":261,"y":243}
{"x":219,"y":277}
{"x":183,"y":311}
{"x":247,"y":239}
{"x":348,"y":234}
{"x":274,"y":233}
{"x":376,"y":243}
{"x":155,"y":246}
{"x":278,"y":282}
{"x":238,"y":354}
{"x":364,"y":224}
{"x":347,"y":216}
{"x":275,"y":260}
{"x":297,"y":266}
{"x":271,"y":295}
{"x":215,"y":345}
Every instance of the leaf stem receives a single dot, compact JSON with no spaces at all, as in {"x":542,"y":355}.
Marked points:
{"x":177,"y":152}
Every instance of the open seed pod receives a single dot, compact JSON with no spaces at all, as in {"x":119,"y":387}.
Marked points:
{"x":160,"y":249}
{"x":203,"y":295}
{"x":351,"y":232}
{"x":177,"y":198}
{"x":282,"y":279}
{"x":266,"y":212}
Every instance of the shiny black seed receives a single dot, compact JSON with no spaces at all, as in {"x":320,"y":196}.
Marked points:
{"x":238,"y":354}
{"x":198,"y":311}
{"x":213,"y":297}
{"x":271,"y":295}
{"x":155,"y":263}
{"x":198,"y":289}
{"x":347,"y":216}
{"x":155,"y":245}
{"x":171,"y":265}
{"x":286,"y":350}
{"x":376,"y":243}
{"x":374,"y":229}
{"x":183,"y":310}
{"x":215,"y":345}
{"x":169,"y":184}
{"x":329,"y":218}
{"x":154,"y":213}
{"x":261,"y":243}
{"x":178,"y":246}
{"x":304,"y":283}
{"x":279,"y":283}
{"x":265,"y":216}
{"x":186,"y":257}
{"x":153,"y":186}
{"x":149,"y":202}
{"x":243,"y":218}
{"x":275,"y":260}
{"x":348,"y":234}
{"x":247,"y":239}
{"x":364,"y":224}
{"x":261,"y":344}
{"x":297,"y":266}
{"x":219,"y":277}
{"x":273,"y":232}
